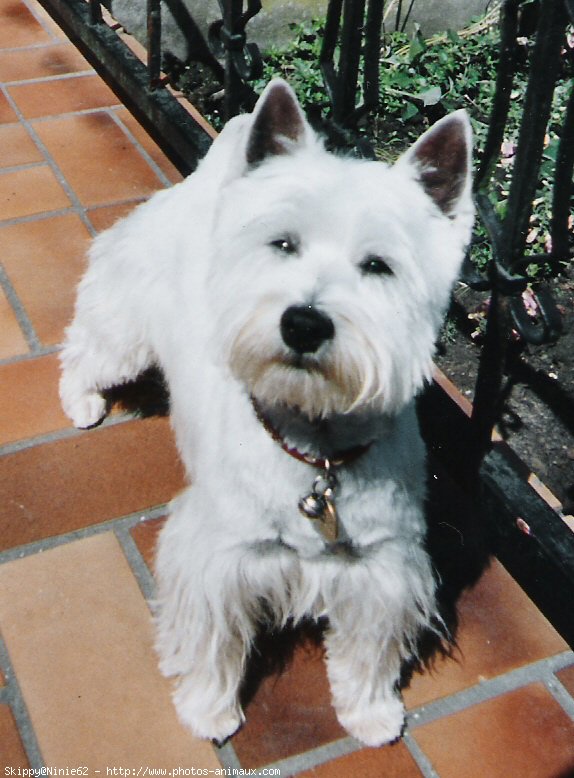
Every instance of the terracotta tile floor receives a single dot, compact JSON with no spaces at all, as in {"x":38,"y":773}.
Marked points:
{"x":80,"y":512}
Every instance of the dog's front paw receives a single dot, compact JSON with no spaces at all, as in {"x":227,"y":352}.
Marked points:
{"x":87,"y":411}
{"x":200,"y":717}
{"x":375,"y":724}
{"x":218,"y":727}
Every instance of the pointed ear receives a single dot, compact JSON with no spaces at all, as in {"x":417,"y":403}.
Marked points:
{"x":441,"y":160}
{"x":278,"y":123}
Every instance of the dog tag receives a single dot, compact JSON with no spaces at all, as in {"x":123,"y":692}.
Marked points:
{"x":330,"y":520}
{"x":320,"y":504}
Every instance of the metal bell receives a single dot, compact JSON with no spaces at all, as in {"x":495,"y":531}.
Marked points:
{"x":312,"y":506}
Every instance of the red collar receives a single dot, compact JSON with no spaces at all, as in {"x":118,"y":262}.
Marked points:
{"x":339,"y":458}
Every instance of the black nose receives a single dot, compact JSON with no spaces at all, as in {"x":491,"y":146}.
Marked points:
{"x":304,"y":328}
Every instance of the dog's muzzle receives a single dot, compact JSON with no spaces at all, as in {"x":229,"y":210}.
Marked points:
{"x":304,"y":329}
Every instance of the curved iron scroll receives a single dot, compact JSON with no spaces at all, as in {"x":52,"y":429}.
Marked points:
{"x":508,"y":236}
{"x":226,"y":40}
{"x":243,"y":60}
{"x":507,"y":272}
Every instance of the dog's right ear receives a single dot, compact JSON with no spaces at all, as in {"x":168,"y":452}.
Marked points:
{"x":279,"y":125}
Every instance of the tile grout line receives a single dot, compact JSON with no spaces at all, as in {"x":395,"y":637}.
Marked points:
{"x":561,"y":694}
{"x":11,"y":695}
{"x":51,"y":117}
{"x":75,"y":201}
{"x":138,"y":565}
{"x":422,"y":761}
{"x":541,"y":671}
{"x":314,"y":757}
{"x":43,"y":351}
{"x":35,"y":46}
{"x":24,"y":322}
{"x":34,"y":217}
{"x":128,"y":521}
{"x":64,"y":433}
{"x":138,"y":146}
{"x":10,"y":169}
{"x":41,"y":21}
{"x":488,"y":690}
{"x":18,"y":82}
{"x":110,"y":110}
{"x":42,"y":215}
{"x":227,"y":756}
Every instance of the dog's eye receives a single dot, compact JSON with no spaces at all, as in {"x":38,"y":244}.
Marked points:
{"x":285,"y":245}
{"x":375,"y":266}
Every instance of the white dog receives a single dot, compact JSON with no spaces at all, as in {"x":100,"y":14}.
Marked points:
{"x":292,"y":299}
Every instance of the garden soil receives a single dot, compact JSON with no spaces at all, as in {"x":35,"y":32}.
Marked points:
{"x":537,"y":418}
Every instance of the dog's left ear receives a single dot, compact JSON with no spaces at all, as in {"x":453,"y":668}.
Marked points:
{"x":441,"y":160}
{"x":279,"y":124}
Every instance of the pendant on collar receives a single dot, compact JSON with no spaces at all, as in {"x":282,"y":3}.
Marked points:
{"x":319,"y":504}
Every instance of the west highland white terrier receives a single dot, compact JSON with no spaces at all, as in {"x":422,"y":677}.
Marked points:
{"x":292,"y":299}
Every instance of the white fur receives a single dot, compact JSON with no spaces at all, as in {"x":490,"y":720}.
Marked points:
{"x":190,"y":282}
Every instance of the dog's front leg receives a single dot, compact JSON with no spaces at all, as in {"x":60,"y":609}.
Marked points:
{"x":206,"y":697}
{"x":107,"y":342}
{"x":363,"y":674}
{"x":205,"y":621}
{"x":205,"y":647}
{"x":376,"y":611}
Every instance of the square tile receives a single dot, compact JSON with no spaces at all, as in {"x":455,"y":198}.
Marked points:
{"x":45,"y":260}
{"x":291,"y":711}
{"x":523,"y":733}
{"x":17,"y":146}
{"x":97,"y":158}
{"x":52,"y":60}
{"x":30,"y":402}
{"x":12,"y":340}
{"x":392,"y":761}
{"x":80,"y":638}
{"x":19,"y":27}
{"x":63,"y":95}
{"x":106,"y":216}
{"x":500,"y":629}
{"x":47,"y":22}
{"x":7,"y":113}
{"x":12,"y":753}
{"x":87,"y":479}
{"x":150,"y":146}
{"x":30,"y":191}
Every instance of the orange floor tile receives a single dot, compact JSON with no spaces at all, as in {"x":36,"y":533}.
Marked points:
{"x":81,"y":511}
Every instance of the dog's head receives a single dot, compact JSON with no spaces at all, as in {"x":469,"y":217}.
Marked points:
{"x":330,"y":276}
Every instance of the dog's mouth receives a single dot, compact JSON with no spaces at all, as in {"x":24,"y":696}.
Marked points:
{"x":302,"y":362}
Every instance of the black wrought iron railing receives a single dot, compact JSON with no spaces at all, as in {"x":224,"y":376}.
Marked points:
{"x":525,"y":532}
{"x":507,"y":276}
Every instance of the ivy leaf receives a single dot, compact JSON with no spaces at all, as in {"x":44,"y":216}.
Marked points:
{"x":417,"y":47}
{"x":432,"y":96}
{"x":551,"y":150}
{"x":409,"y":111}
